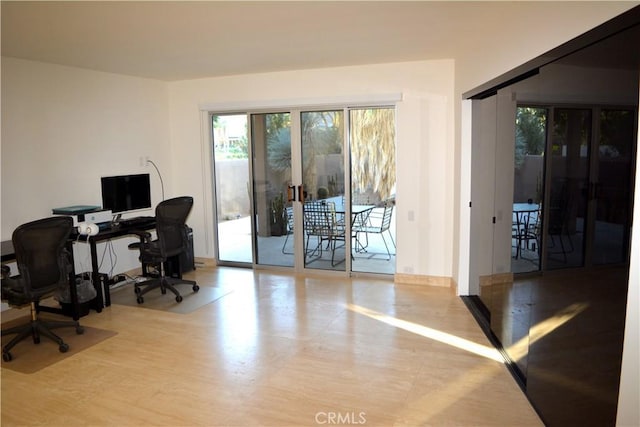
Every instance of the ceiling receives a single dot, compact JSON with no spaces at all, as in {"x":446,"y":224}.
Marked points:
{"x":178,"y":40}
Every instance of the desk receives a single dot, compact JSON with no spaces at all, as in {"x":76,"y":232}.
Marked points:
{"x":103,"y":298}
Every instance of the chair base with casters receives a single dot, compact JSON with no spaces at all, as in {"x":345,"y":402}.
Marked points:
{"x":172,"y":241}
{"x":45,"y":267}
{"x":164,"y":283}
{"x":37,"y":328}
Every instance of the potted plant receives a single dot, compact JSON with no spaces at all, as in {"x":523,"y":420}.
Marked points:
{"x":323,"y":193}
{"x":278,"y":216}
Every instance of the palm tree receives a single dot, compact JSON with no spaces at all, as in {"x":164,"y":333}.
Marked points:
{"x":373,"y":147}
{"x":373,"y":151}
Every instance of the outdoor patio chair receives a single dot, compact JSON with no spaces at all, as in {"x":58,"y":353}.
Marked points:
{"x":321,"y":222}
{"x":289,"y":213}
{"x":378,"y":222}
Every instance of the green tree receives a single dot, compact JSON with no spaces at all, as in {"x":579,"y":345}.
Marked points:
{"x":531,"y":126}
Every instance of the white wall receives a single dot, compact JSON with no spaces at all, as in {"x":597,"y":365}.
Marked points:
{"x":63,"y":128}
{"x":507,"y":47}
{"x":425,"y":144}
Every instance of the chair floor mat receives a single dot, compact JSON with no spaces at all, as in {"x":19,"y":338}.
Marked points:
{"x":155,"y":300}
{"x":29,"y":358}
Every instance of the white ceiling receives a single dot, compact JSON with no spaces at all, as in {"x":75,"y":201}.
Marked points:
{"x":185,"y":40}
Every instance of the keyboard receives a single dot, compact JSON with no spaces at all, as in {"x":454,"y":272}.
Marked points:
{"x":136,"y":221}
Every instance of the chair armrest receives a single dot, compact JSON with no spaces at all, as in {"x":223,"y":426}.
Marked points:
{"x":144,"y":235}
{"x":145,"y":238}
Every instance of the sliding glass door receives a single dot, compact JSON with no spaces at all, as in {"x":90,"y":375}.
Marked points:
{"x":572,"y":207}
{"x":568,"y":188}
{"x":273,"y":216}
{"x":613,"y":167}
{"x":372,"y":142}
{"x":282,"y":198}
{"x":588,"y":219}
{"x":324,"y":208}
{"x":231,"y":188}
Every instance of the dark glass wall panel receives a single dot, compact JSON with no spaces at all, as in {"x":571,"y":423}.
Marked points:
{"x":563,"y":326}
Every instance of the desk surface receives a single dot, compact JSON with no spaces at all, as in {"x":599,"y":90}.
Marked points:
{"x":8,"y":253}
{"x":116,"y":230}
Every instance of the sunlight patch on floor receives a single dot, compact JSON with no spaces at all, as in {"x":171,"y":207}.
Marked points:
{"x":520,"y":348}
{"x":434,"y":334}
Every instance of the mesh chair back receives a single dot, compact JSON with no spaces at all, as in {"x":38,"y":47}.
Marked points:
{"x":171,"y":218}
{"x":320,"y":220}
{"x":41,"y":257}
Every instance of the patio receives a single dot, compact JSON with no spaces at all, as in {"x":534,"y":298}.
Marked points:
{"x":235,"y":245}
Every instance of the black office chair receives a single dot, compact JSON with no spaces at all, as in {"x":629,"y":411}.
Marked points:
{"x":171,"y":230}
{"x":44,"y":266}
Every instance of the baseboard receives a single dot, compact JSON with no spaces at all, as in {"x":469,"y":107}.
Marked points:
{"x":495,"y":279}
{"x":417,"y":279}
{"x":205,"y":262}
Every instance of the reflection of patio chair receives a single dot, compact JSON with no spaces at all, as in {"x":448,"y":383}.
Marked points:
{"x":320,"y":222}
{"x":560,"y":205}
{"x":289,"y":213}
{"x":525,"y":230}
{"x":558,"y":227}
{"x":360,"y":221}
{"x":378,"y":222}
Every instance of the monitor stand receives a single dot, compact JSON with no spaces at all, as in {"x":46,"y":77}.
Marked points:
{"x":116,"y":219}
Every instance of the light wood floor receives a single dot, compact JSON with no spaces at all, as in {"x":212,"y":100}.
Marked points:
{"x":279,"y":350}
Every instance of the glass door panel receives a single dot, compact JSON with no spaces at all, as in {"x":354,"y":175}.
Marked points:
{"x":233,"y":206}
{"x":373,"y":183}
{"x":568,"y":192}
{"x":528,"y":188}
{"x":273,"y":214}
{"x":325,"y":230}
{"x":615,"y":152}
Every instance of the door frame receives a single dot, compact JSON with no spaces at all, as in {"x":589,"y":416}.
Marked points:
{"x":207,"y":111}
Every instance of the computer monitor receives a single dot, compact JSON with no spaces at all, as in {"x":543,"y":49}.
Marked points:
{"x":124,"y":193}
